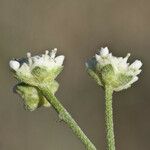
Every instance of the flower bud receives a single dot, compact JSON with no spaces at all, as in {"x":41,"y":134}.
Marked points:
{"x":31,"y":96}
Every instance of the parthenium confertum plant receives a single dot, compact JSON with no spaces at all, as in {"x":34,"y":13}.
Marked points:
{"x":37,"y":86}
{"x":113,"y":74}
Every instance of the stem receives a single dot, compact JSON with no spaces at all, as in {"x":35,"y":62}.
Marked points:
{"x":109,"y":118}
{"x":66,"y":117}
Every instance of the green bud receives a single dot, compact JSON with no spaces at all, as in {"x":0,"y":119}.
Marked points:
{"x":31,"y":96}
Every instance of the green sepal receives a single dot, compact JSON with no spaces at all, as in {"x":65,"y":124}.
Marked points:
{"x":108,"y":75}
{"x":92,"y":71}
{"x":42,"y":74}
{"x":39,"y":73}
{"x":53,"y":86}
{"x":94,"y":76}
{"x":123,"y":82}
{"x":115,"y":81}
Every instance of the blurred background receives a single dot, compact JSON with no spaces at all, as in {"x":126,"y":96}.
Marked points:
{"x":78,"y":29}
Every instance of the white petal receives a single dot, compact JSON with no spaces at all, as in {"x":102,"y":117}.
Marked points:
{"x":133,"y":80}
{"x":97,"y":57}
{"x":59,"y":60}
{"x":14,"y":64}
{"x":137,"y":72}
{"x":104,"y":52}
{"x":136,"y":65}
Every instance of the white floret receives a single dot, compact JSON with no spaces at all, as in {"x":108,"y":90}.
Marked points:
{"x":59,"y":60}
{"x":104,"y":52}
{"x":14,"y":65}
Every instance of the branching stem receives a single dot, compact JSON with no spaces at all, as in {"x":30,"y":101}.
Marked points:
{"x":66,"y":117}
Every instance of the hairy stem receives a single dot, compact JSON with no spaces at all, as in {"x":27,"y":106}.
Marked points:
{"x":109,"y":119}
{"x":66,"y":117}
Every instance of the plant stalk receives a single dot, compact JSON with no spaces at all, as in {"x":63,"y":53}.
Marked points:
{"x":110,"y":138}
{"x":66,"y":117}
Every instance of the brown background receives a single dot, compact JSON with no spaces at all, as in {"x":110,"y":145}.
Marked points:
{"x":78,"y":28}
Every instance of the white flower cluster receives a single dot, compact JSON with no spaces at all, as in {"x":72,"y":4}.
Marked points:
{"x":36,"y":71}
{"x":48,"y":61}
{"x":119,"y":65}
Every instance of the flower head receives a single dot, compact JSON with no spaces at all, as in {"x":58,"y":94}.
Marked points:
{"x":107,"y":69}
{"x":37,"y":68}
{"x":36,"y":71}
